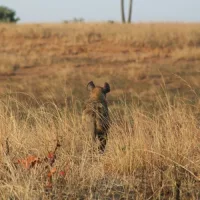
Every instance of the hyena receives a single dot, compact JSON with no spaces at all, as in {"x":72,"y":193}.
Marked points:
{"x":95,"y":114}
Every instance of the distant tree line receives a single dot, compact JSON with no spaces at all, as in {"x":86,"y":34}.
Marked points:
{"x":74,"y":20}
{"x":8,"y":15}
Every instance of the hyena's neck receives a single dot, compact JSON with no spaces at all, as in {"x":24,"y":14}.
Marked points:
{"x":96,"y":96}
{"x":94,"y":100}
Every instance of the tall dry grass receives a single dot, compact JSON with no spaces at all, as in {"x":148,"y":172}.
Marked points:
{"x":153,"y":146}
{"x":138,"y":35}
{"x":150,"y":155}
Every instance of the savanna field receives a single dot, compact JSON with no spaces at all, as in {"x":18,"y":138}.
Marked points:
{"x":153,"y":150}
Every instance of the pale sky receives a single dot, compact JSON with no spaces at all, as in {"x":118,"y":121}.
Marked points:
{"x":36,"y":11}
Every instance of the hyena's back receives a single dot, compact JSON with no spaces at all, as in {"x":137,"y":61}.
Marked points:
{"x":96,"y":118}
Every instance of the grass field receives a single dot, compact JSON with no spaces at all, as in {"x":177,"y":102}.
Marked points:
{"x":153,"y":149}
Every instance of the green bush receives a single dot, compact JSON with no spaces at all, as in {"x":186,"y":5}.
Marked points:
{"x":8,"y":15}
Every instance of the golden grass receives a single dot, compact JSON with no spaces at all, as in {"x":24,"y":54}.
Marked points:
{"x":189,"y":54}
{"x":138,"y":35}
{"x":147,"y":156}
{"x":153,"y":146}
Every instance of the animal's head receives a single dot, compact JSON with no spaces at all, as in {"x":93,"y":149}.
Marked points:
{"x":97,"y":92}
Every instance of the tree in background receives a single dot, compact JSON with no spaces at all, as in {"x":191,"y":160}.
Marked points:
{"x":122,"y":12}
{"x":8,"y":15}
{"x":130,"y":11}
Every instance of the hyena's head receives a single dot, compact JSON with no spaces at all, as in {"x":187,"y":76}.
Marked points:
{"x":98,"y":93}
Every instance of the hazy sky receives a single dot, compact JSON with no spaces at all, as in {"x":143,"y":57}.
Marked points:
{"x":102,"y":10}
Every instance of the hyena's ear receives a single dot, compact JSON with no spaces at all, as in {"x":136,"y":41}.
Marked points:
{"x":106,"y":87}
{"x":90,"y":86}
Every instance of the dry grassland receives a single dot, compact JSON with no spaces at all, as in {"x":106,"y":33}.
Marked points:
{"x":153,"y":149}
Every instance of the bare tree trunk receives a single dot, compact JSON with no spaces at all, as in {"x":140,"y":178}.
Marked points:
{"x":130,"y":11}
{"x":122,"y":12}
